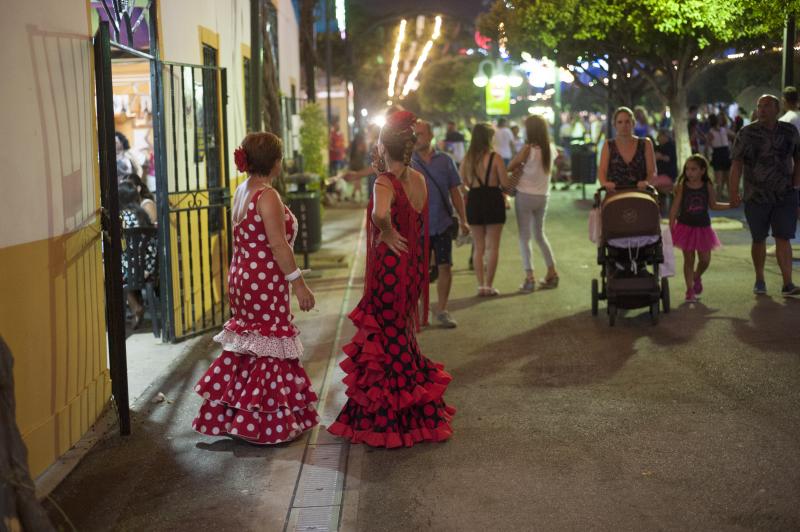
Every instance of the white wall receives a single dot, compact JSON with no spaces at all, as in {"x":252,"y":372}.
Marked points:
{"x":180,"y":23}
{"x":288,"y":47}
{"x":47,"y":151}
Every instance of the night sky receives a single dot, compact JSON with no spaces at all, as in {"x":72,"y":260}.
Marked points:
{"x":467,"y":10}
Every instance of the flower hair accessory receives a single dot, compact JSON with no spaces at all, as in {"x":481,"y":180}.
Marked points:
{"x":401,"y":120}
{"x":240,"y":158}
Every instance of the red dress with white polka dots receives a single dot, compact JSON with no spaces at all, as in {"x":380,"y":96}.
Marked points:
{"x":394,"y":392}
{"x":257,"y":388}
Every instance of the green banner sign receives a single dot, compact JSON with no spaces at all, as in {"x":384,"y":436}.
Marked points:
{"x":498,"y":98}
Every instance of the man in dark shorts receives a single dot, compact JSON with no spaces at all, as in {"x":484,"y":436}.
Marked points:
{"x":444,"y":199}
{"x":767,"y":153}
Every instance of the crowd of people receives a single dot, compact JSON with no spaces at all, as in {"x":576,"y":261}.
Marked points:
{"x":421,"y":201}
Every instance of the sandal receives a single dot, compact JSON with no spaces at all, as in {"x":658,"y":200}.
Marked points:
{"x":549,"y":283}
{"x":483,"y":291}
{"x":491,"y":291}
{"x":527,"y":286}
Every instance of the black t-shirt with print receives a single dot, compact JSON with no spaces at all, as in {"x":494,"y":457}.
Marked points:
{"x":767,"y":157}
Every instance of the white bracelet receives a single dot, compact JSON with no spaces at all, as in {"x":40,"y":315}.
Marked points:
{"x":294,"y":275}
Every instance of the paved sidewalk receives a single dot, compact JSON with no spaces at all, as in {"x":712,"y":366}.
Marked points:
{"x":167,"y":477}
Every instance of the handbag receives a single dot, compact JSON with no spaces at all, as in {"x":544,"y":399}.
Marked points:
{"x":455,"y":223}
{"x":514,"y":178}
{"x":595,"y":227}
{"x":667,"y":268}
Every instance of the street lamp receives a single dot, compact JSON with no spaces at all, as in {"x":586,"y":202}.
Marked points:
{"x":498,"y":72}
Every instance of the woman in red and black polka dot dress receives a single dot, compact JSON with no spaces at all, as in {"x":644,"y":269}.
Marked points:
{"x":394,"y":392}
{"x":257,"y":390}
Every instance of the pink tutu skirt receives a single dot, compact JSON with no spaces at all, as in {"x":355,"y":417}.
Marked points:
{"x":689,"y":238}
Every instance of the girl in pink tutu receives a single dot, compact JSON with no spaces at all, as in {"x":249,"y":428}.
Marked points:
{"x":691,"y":224}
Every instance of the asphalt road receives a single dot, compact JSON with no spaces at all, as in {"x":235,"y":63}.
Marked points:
{"x":564,"y":423}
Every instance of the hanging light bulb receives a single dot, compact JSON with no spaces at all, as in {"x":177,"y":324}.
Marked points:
{"x":480,"y":80}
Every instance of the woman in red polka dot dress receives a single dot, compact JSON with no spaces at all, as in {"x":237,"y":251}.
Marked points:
{"x":394,"y":392}
{"x":257,"y":390}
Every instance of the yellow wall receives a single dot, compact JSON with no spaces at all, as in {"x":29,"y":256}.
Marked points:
{"x":52,"y":315}
{"x":51,"y":282}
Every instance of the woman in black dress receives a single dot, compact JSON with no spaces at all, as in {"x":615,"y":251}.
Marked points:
{"x":484,"y":173}
{"x":132,"y":215}
{"x":626,"y":160}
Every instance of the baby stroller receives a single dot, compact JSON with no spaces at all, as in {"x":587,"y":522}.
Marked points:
{"x":630,"y":242}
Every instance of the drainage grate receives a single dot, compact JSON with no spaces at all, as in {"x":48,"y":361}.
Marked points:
{"x":317,"y":500}
{"x":319,"y":519}
{"x":322,"y":477}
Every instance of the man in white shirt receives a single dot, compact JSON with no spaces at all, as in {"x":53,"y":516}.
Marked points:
{"x":504,"y":141}
{"x":790,"y":105}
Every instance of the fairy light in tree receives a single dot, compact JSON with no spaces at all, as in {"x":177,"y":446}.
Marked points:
{"x":502,"y":40}
{"x":401,"y":34}
{"x":411,"y":82}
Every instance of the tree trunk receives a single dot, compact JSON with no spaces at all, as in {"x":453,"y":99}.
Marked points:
{"x":308,"y":56}
{"x":19,"y":508}
{"x":680,"y":127}
{"x":271,"y":95}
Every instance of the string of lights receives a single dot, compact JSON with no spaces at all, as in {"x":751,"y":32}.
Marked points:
{"x":401,"y":33}
{"x":411,"y":82}
{"x":341,"y":18}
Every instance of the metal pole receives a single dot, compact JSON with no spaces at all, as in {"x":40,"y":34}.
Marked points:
{"x":610,"y":101}
{"x":256,"y":65}
{"x":556,"y":100}
{"x":328,"y":58}
{"x":788,"y":51}
{"x":162,"y":180}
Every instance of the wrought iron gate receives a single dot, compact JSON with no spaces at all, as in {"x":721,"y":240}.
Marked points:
{"x":195,"y":213}
{"x":109,"y":201}
{"x":193,"y":195}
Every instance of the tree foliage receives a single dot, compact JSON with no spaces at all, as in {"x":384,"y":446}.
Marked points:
{"x":313,"y":139}
{"x":665,"y":42}
{"x":446,"y":90}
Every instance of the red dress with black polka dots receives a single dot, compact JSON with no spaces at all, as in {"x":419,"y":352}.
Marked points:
{"x":257,"y":388}
{"x":394,"y":392}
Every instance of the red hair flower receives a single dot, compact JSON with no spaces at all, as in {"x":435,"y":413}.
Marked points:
{"x":240,"y":158}
{"x":401,"y":120}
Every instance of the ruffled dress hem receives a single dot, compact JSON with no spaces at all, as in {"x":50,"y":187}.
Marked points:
{"x":369,"y":387}
{"x":261,"y":399}
{"x":254,"y":342}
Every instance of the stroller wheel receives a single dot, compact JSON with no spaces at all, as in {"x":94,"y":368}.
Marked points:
{"x":595,"y":296}
{"x":665,"y":295}
{"x":612,"y":314}
{"x":654,"y":313}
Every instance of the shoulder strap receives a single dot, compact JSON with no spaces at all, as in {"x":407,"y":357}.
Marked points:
{"x":488,"y":170}
{"x":254,"y":200}
{"x":435,"y":184}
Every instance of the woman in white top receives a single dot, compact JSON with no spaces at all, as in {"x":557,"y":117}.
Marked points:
{"x":532,"y":164}
{"x":719,"y":137}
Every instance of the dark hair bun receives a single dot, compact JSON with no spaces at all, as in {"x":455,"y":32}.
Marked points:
{"x":398,"y":135}
{"x":263,"y":151}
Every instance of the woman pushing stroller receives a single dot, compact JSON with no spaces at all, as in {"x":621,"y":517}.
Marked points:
{"x":626,"y":160}
{"x":629,"y":243}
